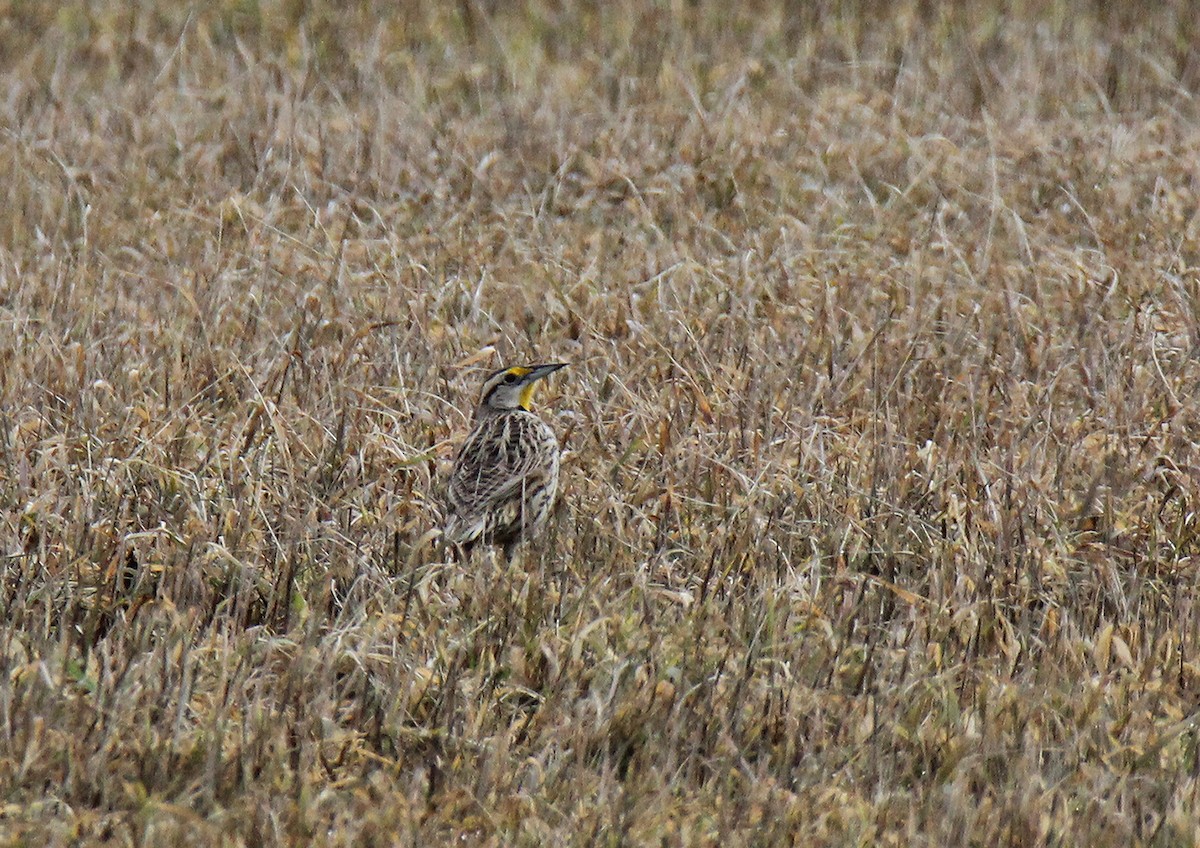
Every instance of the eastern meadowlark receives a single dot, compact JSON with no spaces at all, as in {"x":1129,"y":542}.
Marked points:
{"x":505,"y":477}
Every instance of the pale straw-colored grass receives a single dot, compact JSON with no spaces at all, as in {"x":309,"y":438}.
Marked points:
{"x":879,"y":513}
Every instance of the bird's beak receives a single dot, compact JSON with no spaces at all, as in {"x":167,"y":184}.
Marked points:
{"x":543,"y":371}
{"x":531,"y":380}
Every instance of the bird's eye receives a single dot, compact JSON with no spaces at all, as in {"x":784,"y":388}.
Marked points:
{"x":510,"y":378}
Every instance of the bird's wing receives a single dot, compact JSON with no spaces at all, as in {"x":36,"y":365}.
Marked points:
{"x":495,"y":465}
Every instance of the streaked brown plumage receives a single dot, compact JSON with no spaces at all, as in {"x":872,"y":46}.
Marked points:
{"x":505,"y":477}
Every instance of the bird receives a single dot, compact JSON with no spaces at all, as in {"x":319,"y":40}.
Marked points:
{"x":504,"y":481}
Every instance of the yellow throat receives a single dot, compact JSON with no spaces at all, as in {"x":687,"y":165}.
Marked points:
{"x":527,"y":396}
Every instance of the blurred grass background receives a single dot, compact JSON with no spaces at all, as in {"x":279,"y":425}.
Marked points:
{"x":879,"y":516}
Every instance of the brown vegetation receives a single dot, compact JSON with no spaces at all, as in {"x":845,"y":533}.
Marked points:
{"x":880,"y":508}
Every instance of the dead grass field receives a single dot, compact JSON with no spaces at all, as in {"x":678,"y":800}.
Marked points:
{"x":880,"y":514}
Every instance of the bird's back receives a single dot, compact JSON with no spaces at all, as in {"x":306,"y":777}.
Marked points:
{"x":505,"y":480}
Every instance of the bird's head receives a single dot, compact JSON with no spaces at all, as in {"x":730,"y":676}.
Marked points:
{"x":512,"y":388}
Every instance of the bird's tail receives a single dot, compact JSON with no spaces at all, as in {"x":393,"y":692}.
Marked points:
{"x":461,"y":530}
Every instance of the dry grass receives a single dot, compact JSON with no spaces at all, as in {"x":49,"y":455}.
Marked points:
{"x":880,"y":517}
